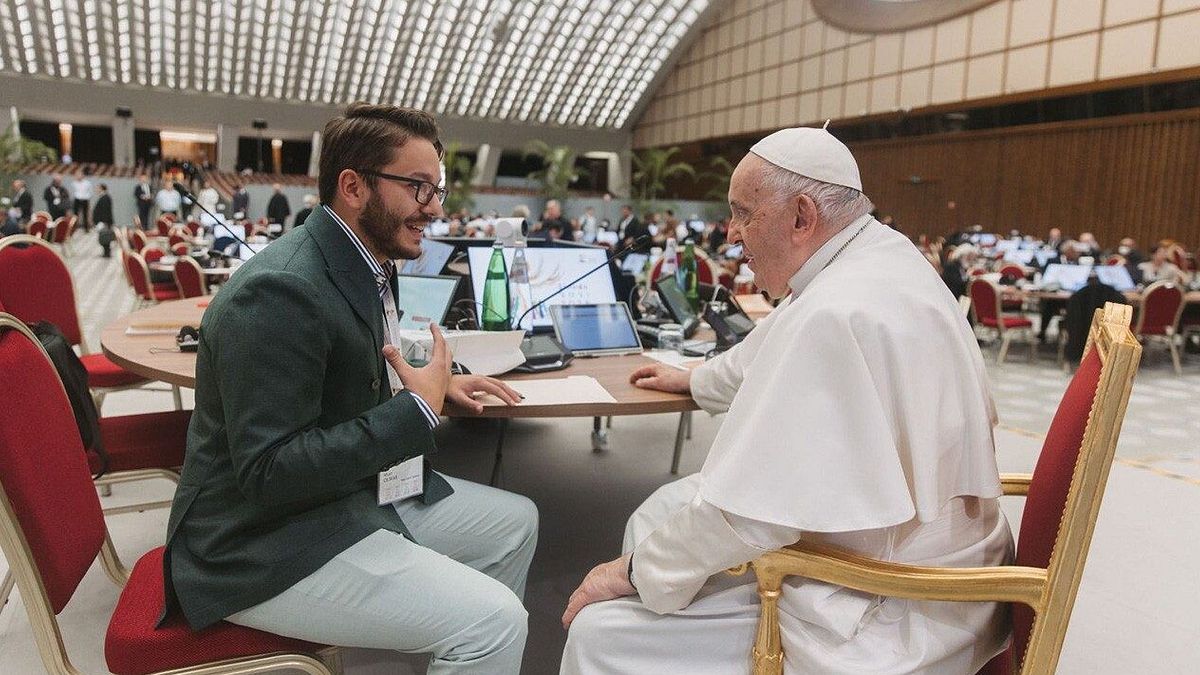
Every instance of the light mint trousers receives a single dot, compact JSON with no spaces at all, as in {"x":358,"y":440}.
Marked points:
{"x":455,"y":595}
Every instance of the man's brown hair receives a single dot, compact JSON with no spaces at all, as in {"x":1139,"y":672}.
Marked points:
{"x":364,"y":137}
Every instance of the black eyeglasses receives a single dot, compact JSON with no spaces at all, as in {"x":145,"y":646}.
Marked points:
{"x":425,"y":189}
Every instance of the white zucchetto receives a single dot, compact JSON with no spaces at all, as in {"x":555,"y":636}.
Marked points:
{"x":813,"y":153}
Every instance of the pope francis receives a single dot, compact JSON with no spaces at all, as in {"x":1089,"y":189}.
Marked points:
{"x":858,"y":416}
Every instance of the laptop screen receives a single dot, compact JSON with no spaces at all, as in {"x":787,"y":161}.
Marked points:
{"x":433,"y":258}
{"x":595,"y":328}
{"x":424,"y":300}
{"x":678,"y":306}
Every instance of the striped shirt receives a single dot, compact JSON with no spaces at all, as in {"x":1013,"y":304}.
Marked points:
{"x":383,"y":277}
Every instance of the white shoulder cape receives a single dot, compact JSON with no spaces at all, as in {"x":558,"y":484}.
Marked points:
{"x":862,"y":405}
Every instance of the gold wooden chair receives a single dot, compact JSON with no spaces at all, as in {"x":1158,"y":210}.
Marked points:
{"x":1062,"y":499}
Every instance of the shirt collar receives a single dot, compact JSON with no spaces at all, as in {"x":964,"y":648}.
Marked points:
{"x":382,"y":273}
{"x":813,"y":266}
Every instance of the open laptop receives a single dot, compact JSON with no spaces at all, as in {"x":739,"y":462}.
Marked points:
{"x":431,"y":262}
{"x":424,"y":299}
{"x":678,"y":305}
{"x":596,"y":329}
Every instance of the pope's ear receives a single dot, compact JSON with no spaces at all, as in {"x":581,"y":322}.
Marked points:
{"x":806,"y":212}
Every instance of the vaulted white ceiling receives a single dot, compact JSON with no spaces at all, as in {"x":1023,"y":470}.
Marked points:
{"x":581,"y":63}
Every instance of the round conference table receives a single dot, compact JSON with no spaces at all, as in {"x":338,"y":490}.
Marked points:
{"x":151,"y":352}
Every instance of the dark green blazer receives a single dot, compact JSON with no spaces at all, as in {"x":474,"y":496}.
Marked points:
{"x":294,"y":418}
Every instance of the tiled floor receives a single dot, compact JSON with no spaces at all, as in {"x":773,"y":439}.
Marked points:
{"x":1136,"y":606}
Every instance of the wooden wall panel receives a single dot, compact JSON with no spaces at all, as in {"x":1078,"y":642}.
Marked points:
{"x":1135,"y":176}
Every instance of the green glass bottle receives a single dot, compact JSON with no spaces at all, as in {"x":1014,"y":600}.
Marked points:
{"x":495,"y":292}
{"x":691,"y":280}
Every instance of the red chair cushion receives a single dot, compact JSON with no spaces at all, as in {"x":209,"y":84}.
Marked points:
{"x":105,"y":373}
{"x":164,"y":294}
{"x":148,"y":441}
{"x":1009,"y":322}
{"x":43,"y":470}
{"x":133,"y":646}
{"x":1051,"y":480}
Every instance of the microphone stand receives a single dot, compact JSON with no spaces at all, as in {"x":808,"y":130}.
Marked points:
{"x":179,"y":187}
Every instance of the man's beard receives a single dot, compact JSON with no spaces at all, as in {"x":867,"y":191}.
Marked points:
{"x":381,"y":227}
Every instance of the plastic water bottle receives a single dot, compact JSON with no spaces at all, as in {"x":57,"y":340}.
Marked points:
{"x":519,"y":289}
{"x":670,"y":261}
{"x":691,"y":278}
{"x":495,"y":292}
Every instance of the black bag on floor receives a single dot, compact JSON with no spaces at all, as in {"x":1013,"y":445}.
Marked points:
{"x":75,"y":380}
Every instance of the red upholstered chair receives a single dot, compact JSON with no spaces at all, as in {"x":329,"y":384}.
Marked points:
{"x":986,"y":303}
{"x":152,"y":254}
{"x":178,"y":235}
{"x":60,"y":232}
{"x":137,"y":240}
{"x":1158,"y":319}
{"x":35,"y":285}
{"x":1063,"y":496}
{"x":189,"y":278}
{"x":163,"y":226}
{"x":41,"y":215}
{"x":39,"y":228}
{"x":182,"y":248}
{"x":52,"y":528}
{"x":145,"y":292}
{"x":1114,"y":260}
{"x":194,"y":228}
{"x":1012,"y":271}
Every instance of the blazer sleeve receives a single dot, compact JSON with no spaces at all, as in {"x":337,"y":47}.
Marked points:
{"x":270,"y":348}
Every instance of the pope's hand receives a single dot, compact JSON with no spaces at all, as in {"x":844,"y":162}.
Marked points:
{"x":464,"y":388}
{"x":429,"y":381}
{"x":605,"y":582}
{"x":662,"y":377}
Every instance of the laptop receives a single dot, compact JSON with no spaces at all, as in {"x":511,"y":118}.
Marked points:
{"x":678,"y":305}
{"x":433,"y":258}
{"x":424,"y":299}
{"x":596,"y":329}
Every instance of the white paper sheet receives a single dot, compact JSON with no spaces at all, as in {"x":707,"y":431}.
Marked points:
{"x":557,"y":391}
{"x":673,"y":358}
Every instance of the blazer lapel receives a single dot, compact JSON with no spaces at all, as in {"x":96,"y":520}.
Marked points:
{"x":348,"y":271}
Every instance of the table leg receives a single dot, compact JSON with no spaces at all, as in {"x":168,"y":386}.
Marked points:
{"x":499,"y":452}
{"x":599,"y":435}
{"x":685,"y":423}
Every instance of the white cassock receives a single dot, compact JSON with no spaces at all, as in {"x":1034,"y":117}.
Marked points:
{"x":860,"y":417}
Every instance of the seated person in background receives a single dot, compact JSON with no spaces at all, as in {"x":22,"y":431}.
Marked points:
{"x":1128,"y":250}
{"x":1089,"y":247}
{"x":1159,"y":268}
{"x":283,"y":520}
{"x":859,"y":416}
{"x":956,"y":271}
{"x":1080,"y":307}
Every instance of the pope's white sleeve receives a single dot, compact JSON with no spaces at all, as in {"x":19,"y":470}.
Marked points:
{"x":714,"y":384}
{"x":672,"y":564}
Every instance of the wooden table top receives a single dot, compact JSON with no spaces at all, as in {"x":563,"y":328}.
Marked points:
{"x":155,"y":357}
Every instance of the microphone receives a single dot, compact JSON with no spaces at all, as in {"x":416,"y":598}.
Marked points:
{"x":181,"y":189}
{"x":636,"y":243}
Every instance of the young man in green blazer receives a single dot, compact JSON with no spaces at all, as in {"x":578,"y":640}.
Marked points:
{"x":306,"y":506}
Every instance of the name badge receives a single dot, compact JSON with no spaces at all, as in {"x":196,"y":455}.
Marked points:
{"x":406,"y":479}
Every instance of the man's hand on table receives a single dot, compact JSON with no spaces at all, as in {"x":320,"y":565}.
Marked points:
{"x":464,"y":388}
{"x":662,"y":377}
{"x":430,"y":381}
{"x":606,"y":581}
